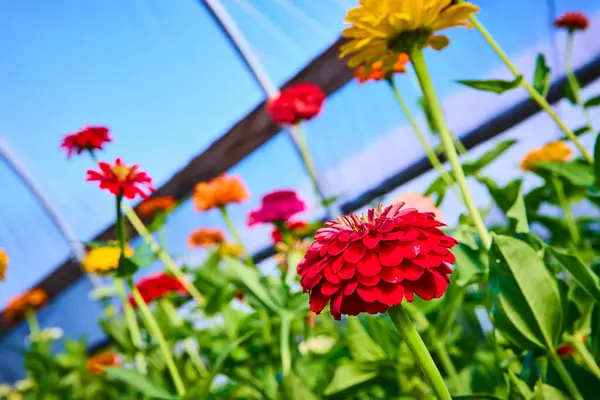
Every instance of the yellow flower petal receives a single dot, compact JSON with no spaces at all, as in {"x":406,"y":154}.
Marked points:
{"x":438,"y":42}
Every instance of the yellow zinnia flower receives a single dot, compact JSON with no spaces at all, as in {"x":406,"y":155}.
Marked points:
{"x":3,"y":264}
{"x":551,"y":152}
{"x":383,"y":28}
{"x":103,"y":260}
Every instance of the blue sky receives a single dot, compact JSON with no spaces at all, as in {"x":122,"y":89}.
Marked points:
{"x":164,"y":79}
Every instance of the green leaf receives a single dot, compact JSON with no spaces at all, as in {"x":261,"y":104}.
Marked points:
{"x":139,"y":382}
{"x":597,"y":163}
{"x":570,"y":94}
{"x":541,"y":78}
{"x":472,"y":168}
{"x":438,"y":187}
{"x":297,"y":389}
{"x":494,"y":85}
{"x":251,"y":279}
{"x":468,"y":267}
{"x":362,"y":347}
{"x":203,"y":387}
{"x":504,"y":197}
{"x":582,"y":274}
{"x":126,"y":267}
{"x":595,"y":323}
{"x":477,"y":396}
{"x":579,"y":174}
{"x":593,"y":102}
{"x":518,"y":213}
{"x":543,"y":391}
{"x":525,"y":291}
{"x":518,"y":387}
{"x":330,"y":200}
{"x":349,"y":375}
{"x":581,"y":130}
{"x":118,"y":332}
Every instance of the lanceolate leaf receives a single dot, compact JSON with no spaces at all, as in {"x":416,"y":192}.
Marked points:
{"x":504,"y":197}
{"x":139,"y":382}
{"x":526,"y":291}
{"x":494,"y":85}
{"x":489,"y":156}
{"x":541,"y":78}
{"x":577,"y":173}
{"x":582,"y":274}
{"x":593,"y":102}
{"x":349,"y":375}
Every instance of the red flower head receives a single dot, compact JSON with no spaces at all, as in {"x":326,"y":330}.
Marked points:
{"x":296,"y":103}
{"x":156,"y":286}
{"x":89,"y":138}
{"x":370,"y":263}
{"x":572,"y":21}
{"x":120,"y":179}
{"x":294,"y":226}
{"x":278,"y":206}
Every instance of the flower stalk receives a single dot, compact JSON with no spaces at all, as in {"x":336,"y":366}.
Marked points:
{"x":419,"y":350}
{"x":234,"y":232}
{"x":566,"y":209}
{"x":32,"y":321}
{"x":573,"y":82}
{"x":538,"y":98}
{"x":418,"y":62}
{"x":564,"y":376}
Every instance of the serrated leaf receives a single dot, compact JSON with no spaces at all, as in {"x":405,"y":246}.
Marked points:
{"x":139,"y":382}
{"x":525,"y":291}
{"x":582,"y":274}
{"x":349,"y":375}
{"x":362,"y":346}
{"x":541,"y":77}
{"x":593,"y":102}
{"x":474,"y":167}
{"x":493,"y":85}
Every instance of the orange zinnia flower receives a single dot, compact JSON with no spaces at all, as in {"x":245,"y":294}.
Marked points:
{"x":205,"y":237}
{"x":377,"y":72}
{"x":219,"y":192}
{"x":149,"y":208}
{"x":551,"y":152}
{"x":3,"y":263}
{"x":17,"y":306}
{"x":572,"y":21}
{"x":96,"y":364}
{"x":122,"y":180}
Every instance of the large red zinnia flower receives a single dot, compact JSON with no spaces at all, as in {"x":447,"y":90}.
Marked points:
{"x":278,"y":206}
{"x":156,"y":286}
{"x":296,"y":103}
{"x":120,"y":179}
{"x":89,"y":138}
{"x":572,"y":21}
{"x":370,"y":263}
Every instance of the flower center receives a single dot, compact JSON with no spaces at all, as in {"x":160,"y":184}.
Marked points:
{"x":121,"y":172}
{"x":404,"y":42}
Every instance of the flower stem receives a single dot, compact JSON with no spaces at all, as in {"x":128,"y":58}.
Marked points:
{"x":429,"y":152}
{"x":419,"y":350}
{"x":157,"y":334}
{"x":134,"y":329}
{"x":286,"y":358}
{"x":564,"y":376}
{"x":234,"y":232}
{"x":171,"y":266}
{"x":566,"y":209}
{"x":573,"y":83}
{"x":32,"y":321}
{"x":586,"y":356}
{"x":418,"y":62}
{"x":541,"y":100}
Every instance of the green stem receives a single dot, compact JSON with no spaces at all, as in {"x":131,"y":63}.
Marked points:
{"x":234,"y":232}
{"x":419,"y":350}
{"x":564,"y":376}
{"x":157,"y":334}
{"x":429,"y":152}
{"x":132,"y":324}
{"x":418,"y":62}
{"x":573,"y":82}
{"x":134,"y":329}
{"x":586,"y":356}
{"x":286,"y":358}
{"x":541,"y":100}
{"x":163,"y":256}
{"x":32,"y":321}
{"x":448,"y":366}
{"x":188,"y":344}
{"x":566,"y":209}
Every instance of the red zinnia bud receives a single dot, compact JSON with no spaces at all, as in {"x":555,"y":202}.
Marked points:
{"x":89,"y":138}
{"x":122,"y":180}
{"x":370,"y":263}
{"x":297,"y":103}
{"x":278,"y":206}
{"x":572,"y":21}
{"x":156,"y":286}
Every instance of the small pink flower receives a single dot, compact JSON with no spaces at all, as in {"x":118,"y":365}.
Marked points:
{"x":278,"y":206}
